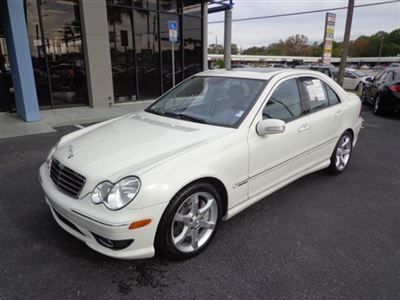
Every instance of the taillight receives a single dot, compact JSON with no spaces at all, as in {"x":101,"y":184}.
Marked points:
{"x":395,"y":88}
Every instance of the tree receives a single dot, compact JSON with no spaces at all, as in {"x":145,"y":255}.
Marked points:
{"x":255,"y":51}
{"x":219,"y":49}
{"x":297,"y":45}
{"x":234,"y":49}
{"x":215,"y":49}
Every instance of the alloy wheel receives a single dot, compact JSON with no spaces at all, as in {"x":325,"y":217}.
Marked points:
{"x":194,"y":222}
{"x":343,"y":152}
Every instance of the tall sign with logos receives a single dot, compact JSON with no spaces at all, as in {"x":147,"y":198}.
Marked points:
{"x":330,"y":21}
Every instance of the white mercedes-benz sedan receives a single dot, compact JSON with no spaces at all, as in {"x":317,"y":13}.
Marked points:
{"x":164,"y":178}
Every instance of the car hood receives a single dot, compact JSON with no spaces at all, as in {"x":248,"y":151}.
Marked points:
{"x":132,"y":144}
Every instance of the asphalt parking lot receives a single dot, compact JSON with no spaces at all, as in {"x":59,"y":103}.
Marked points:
{"x":321,"y":237}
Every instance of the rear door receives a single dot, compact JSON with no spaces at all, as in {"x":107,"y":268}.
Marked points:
{"x":276,"y":158}
{"x":376,"y":85}
{"x":325,"y":116}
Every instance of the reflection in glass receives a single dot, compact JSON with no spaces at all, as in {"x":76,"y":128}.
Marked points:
{"x":145,"y":4}
{"x":191,"y":7}
{"x":166,"y":49}
{"x":122,"y":53}
{"x":38,"y":53}
{"x":169,"y":6}
{"x":63,"y":46}
{"x":193,"y":46}
{"x":147,"y":53}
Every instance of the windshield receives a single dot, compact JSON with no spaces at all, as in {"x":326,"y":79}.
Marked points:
{"x":210,"y":100}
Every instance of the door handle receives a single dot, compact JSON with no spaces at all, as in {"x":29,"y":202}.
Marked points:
{"x":339,"y":113}
{"x":304,"y":127}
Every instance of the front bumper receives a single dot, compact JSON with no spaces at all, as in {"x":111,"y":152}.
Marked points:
{"x":88,"y":222}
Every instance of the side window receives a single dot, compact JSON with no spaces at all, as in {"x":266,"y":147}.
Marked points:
{"x":380,"y":75}
{"x":315,"y":92}
{"x":332,"y":96}
{"x":348,"y":75}
{"x":285,"y":103}
{"x":390,"y":77}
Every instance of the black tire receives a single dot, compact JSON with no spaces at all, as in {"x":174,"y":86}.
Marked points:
{"x":363,"y":97}
{"x":377,"y":106}
{"x":163,"y":242}
{"x":334,"y":168}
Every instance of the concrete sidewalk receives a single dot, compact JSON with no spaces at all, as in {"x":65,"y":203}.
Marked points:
{"x":11,"y":125}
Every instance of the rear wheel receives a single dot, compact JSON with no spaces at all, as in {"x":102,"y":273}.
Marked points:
{"x":342,"y":153}
{"x":364,"y":96}
{"x":190,"y":221}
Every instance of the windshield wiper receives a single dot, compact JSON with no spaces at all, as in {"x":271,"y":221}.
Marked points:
{"x":191,"y":118}
{"x":178,"y":116}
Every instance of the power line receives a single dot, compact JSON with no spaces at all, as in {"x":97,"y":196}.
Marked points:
{"x":305,"y":12}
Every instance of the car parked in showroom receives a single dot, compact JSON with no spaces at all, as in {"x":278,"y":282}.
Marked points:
{"x":383,"y":91}
{"x":163,"y":179}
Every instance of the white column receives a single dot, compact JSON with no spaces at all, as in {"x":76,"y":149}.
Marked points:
{"x":97,"y":53}
{"x":227,"y":38}
{"x":205,"y":36}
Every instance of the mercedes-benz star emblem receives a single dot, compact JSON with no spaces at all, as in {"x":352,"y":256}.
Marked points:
{"x":70,"y":151}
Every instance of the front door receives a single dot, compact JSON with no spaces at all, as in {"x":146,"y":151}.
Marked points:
{"x":276,"y":158}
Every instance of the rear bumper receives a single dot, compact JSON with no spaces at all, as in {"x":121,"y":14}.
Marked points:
{"x":85,"y":225}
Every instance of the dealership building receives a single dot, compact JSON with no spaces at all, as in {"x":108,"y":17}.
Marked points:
{"x":65,"y":53}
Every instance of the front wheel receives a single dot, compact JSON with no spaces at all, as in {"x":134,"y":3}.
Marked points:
{"x":189,"y":222}
{"x":342,"y":153}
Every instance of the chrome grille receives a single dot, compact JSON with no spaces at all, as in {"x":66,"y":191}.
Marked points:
{"x":67,"y":180}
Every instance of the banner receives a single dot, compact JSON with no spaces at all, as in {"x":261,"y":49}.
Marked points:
{"x":330,"y":21}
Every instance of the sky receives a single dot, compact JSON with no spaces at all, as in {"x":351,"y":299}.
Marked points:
{"x":366,"y":21}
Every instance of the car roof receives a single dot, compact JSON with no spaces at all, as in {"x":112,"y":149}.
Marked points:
{"x":254,"y":73}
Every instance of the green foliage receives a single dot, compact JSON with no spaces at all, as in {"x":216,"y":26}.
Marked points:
{"x":363,"y":46}
{"x":219,"y":49}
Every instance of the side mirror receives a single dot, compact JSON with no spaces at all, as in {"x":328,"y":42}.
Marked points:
{"x":270,"y":126}
{"x":369,"y":79}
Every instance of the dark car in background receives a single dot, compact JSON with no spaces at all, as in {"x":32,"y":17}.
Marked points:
{"x":383,"y":91}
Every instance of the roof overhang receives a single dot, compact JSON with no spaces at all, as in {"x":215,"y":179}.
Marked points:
{"x":219,"y":5}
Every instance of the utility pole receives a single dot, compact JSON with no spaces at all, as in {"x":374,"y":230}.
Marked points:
{"x":380,"y":50}
{"x":228,"y":38}
{"x":346,"y":41}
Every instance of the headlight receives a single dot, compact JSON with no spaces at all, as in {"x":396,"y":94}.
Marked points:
{"x":116,"y":196}
{"x":49,"y":157}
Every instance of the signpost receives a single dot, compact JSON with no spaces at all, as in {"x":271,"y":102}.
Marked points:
{"x":330,"y":21}
{"x":173,"y":38}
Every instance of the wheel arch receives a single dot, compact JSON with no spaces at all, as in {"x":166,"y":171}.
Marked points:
{"x":219,"y":185}
{"x":349,"y":130}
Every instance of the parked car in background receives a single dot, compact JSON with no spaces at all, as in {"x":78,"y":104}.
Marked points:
{"x":277,"y":66}
{"x":383,"y":91}
{"x":322,"y":68}
{"x":353,"y":79}
{"x":163,"y":179}
{"x":240,"y":66}
{"x":394,"y":65}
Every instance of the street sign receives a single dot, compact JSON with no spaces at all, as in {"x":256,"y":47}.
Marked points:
{"x":173,"y":38}
{"x":173,"y":31}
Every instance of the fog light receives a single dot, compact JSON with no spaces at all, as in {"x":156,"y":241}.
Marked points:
{"x":105,"y":242}
{"x":112,"y":244}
